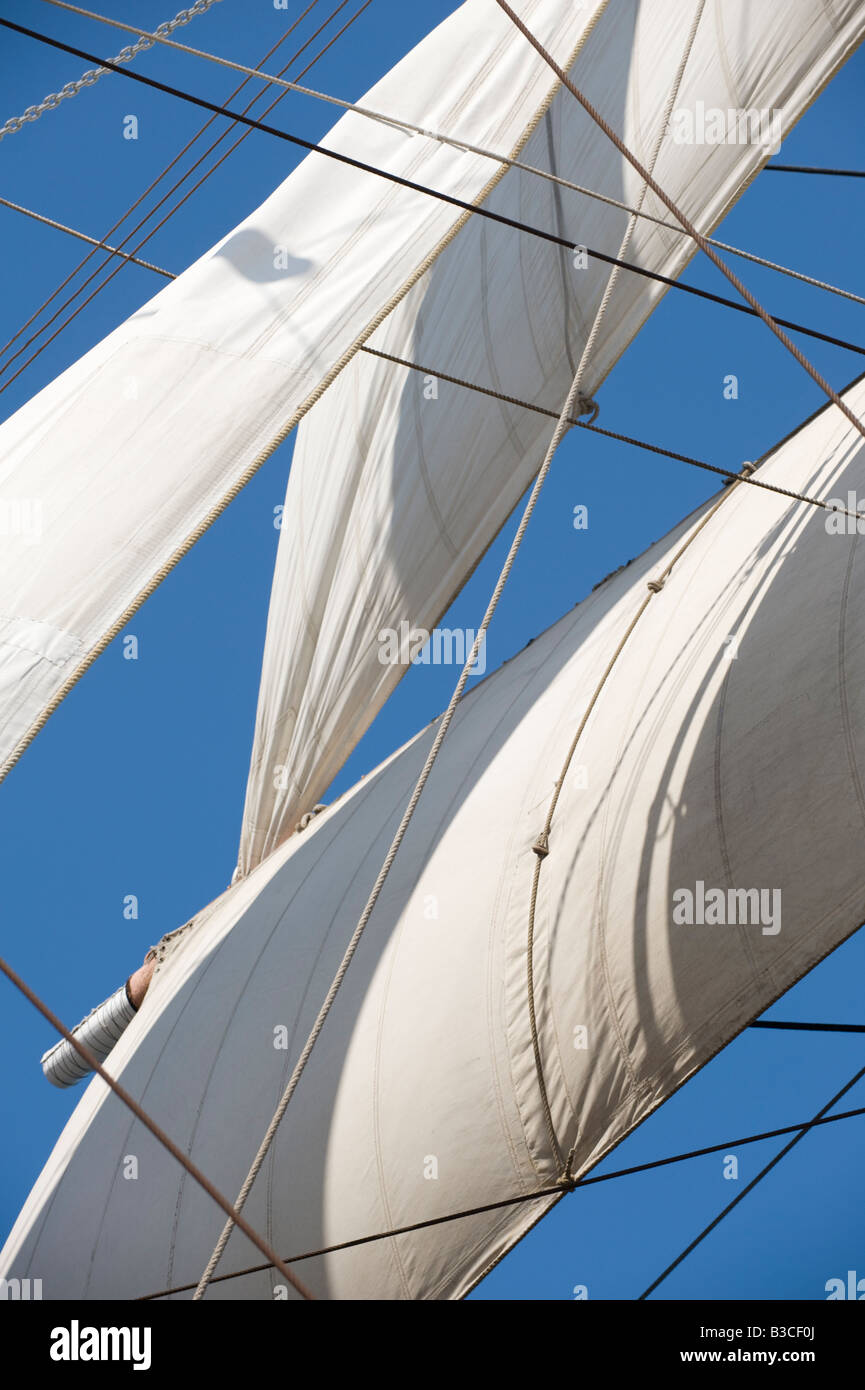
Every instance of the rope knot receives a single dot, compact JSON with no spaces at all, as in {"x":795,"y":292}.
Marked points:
{"x":541,"y":846}
{"x":655,"y":585}
{"x":587,"y":406}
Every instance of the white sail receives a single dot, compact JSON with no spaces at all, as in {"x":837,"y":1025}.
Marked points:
{"x":725,"y":752}
{"x":109,"y":472}
{"x":398,"y":482}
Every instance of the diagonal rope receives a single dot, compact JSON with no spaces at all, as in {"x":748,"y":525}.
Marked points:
{"x":400,"y":123}
{"x":752,"y":1184}
{"x":82,"y":236}
{"x":145,"y":1119}
{"x":770,"y":322}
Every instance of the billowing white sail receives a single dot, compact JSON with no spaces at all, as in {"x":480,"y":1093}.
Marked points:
{"x":107,"y":474}
{"x":399,"y":482}
{"x":724,"y":755}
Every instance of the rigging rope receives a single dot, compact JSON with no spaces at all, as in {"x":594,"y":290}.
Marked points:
{"x":727,"y":473}
{"x":774,"y":325}
{"x":82,"y":236}
{"x":751,"y":1185}
{"x":556,"y":1191}
{"x":213,"y":146}
{"x":399,"y":123}
{"x":145,"y":1119}
{"x":88,"y":79}
{"x":752,"y":308}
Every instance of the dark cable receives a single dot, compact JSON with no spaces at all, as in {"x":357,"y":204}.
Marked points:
{"x":812,"y":1027}
{"x":751,"y":1185}
{"x":811,"y":169}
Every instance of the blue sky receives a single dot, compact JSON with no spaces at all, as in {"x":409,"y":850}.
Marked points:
{"x":136,"y":785}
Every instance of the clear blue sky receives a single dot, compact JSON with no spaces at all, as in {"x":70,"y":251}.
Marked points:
{"x":136,"y":785}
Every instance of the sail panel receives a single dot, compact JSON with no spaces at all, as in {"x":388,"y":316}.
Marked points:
{"x":399,"y":480}
{"x":725,"y":755}
{"x":106,"y":474}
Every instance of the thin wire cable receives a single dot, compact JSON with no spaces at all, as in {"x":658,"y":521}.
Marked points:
{"x":810,"y":169}
{"x":558,"y":1190}
{"x":753,"y":309}
{"x":751,"y":1185}
{"x":88,"y":79}
{"x":145,"y":1119}
{"x":399,"y":123}
{"x":82,"y":236}
{"x":726,"y":473}
{"x":773,"y":324}
{"x":175,"y":186}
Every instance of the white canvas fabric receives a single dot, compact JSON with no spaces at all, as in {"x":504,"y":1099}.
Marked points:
{"x":726,"y":752}
{"x":399,"y":483}
{"x":106,"y":473}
